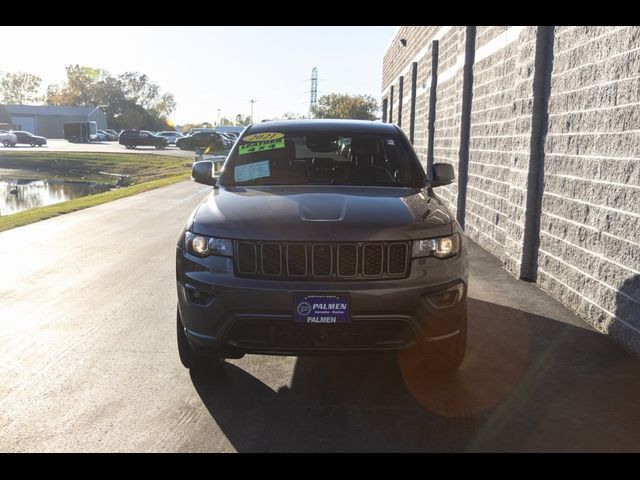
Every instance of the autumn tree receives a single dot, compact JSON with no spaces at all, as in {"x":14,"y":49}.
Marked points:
{"x":19,"y":88}
{"x":130,"y":100}
{"x":336,"y":105}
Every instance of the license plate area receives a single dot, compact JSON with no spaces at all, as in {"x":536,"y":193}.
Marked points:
{"x":320,"y":309}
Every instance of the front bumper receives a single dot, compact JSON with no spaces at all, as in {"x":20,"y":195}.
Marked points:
{"x":239,"y":315}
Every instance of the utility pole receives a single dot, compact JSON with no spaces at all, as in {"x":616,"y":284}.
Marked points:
{"x":314,"y":91}
{"x":252,"y":101}
{"x":218,"y":116}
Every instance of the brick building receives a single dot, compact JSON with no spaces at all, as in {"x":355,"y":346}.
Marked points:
{"x":542,"y":125}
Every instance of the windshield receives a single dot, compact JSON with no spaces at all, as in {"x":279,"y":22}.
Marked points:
{"x":320,"y":158}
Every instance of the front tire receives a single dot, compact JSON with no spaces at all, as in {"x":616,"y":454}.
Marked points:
{"x":191,"y":359}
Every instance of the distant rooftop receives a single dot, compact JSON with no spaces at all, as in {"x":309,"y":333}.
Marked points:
{"x":47,"y":110}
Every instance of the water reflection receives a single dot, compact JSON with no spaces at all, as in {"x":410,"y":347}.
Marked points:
{"x":19,"y":194}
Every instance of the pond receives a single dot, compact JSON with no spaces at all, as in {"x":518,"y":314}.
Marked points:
{"x":21,"y":194}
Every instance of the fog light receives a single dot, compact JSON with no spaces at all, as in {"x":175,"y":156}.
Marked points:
{"x":446,"y":299}
{"x":199,"y":298}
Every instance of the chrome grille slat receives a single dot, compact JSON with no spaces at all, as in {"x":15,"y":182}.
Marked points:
{"x":322,"y":260}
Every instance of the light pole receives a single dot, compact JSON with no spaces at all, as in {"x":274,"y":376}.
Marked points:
{"x":218,"y":116}
{"x":252,"y":101}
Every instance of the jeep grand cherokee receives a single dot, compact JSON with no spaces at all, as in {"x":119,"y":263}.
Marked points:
{"x":321,"y":237}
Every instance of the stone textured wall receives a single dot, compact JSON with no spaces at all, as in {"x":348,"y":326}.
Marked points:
{"x":449,"y":106}
{"x":499,"y":143}
{"x":588,"y":254}
{"x":590,"y":225}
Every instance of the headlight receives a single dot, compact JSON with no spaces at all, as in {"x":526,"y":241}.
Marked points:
{"x":442,"y":247}
{"x":203,"y":246}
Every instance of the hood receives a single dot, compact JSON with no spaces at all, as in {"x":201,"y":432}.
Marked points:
{"x":321,"y":214}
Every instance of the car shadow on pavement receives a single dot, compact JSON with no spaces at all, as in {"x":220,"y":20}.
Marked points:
{"x":528,"y":383}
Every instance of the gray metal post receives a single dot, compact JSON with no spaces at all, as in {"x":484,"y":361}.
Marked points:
{"x":535,"y":176}
{"x":465,"y":122}
{"x":433,"y":96}
{"x":412,"y":112}
{"x":400,"y":93}
{"x":391,"y":105}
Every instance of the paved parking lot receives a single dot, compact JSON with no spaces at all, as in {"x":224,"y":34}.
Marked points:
{"x":57,"y":145}
{"x":89,"y":360}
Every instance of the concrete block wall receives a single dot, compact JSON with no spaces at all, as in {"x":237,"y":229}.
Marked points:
{"x":449,"y":106}
{"x":589,"y":254}
{"x":587,"y":230}
{"x":499,"y":142}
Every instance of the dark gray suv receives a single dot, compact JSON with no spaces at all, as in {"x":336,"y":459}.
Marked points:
{"x":321,"y":237}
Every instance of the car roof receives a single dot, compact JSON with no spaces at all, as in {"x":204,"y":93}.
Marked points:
{"x":323,"y":125}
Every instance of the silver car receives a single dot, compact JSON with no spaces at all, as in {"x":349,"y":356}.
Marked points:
{"x":171,"y":136}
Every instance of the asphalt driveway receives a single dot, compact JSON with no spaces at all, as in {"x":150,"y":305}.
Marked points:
{"x":88,"y":361}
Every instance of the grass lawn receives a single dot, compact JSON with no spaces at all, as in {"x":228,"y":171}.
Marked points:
{"x":140,"y":172}
{"x":92,"y":166}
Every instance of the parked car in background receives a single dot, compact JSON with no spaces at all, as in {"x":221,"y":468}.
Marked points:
{"x":201,"y":129}
{"x":27,"y":138}
{"x":141,"y":138}
{"x":322,"y":237}
{"x":172,"y":136}
{"x":204,"y":140}
{"x":228,"y":136}
{"x":8,"y":139}
{"x":110,"y":137}
{"x":113,"y":132}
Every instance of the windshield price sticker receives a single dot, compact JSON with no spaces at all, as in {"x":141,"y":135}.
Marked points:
{"x":251,"y":171}
{"x":261,"y":146}
{"x":259,"y":137}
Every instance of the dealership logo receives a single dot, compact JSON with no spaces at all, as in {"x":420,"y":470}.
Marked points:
{"x":304,"y":308}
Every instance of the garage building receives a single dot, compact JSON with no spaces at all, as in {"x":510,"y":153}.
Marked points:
{"x":47,"y":120}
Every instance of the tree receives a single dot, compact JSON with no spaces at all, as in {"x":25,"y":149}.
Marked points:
{"x":336,"y":105}
{"x":291,"y":116}
{"x":130,"y":100}
{"x":19,"y":88}
{"x":242,"y":121}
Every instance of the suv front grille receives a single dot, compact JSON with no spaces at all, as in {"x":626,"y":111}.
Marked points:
{"x":322,"y":261}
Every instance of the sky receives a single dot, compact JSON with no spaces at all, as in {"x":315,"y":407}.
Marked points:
{"x":207,"y":68}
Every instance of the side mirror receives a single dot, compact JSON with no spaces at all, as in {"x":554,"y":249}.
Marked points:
{"x":202,"y":172}
{"x":443,"y":174}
